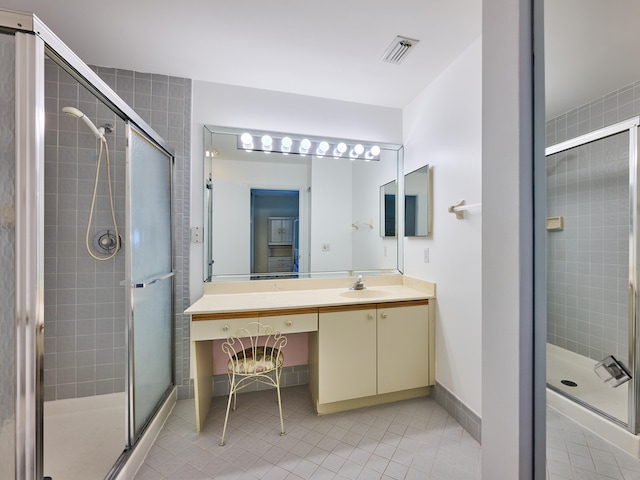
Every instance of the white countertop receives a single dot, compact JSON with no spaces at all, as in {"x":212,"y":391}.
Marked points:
{"x":311,"y":297}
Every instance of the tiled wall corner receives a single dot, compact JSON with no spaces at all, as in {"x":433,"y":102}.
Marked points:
{"x":471,"y":422}
{"x":164,"y":102}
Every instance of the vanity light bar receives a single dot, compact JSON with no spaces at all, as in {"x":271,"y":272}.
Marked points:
{"x":270,"y":142}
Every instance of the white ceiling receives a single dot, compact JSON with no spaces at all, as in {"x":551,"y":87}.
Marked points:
{"x":328,"y":48}
{"x":590,"y":50}
{"x":332,"y":48}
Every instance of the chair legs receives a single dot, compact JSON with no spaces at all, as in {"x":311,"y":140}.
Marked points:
{"x":280,"y":409}
{"x":233,"y":389}
{"x":232,"y":393}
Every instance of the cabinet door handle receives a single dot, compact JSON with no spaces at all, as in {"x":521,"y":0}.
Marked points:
{"x":370,"y":316}
{"x":384,"y":315}
{"x":288,"y":323}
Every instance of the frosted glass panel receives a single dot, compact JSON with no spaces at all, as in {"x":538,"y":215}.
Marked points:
{"x":150,"y":175}
{"x":7,"y":257}
{"x":152,"y":348}
{"x":149,"y":180}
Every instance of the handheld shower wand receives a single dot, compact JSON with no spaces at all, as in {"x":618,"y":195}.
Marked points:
{"x":99,"y":133}
{"x":74,"y":112}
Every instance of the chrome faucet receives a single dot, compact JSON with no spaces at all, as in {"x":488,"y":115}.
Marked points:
{"x":359,"y":285}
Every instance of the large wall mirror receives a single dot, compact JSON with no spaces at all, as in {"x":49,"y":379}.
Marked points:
{"x":274,"y":212}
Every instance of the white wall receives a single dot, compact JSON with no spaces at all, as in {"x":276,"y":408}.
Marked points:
{"x":232,"y":106}
{"x":331,"y":224}
{"x":442,"y":128}
{"x":507,"y":251}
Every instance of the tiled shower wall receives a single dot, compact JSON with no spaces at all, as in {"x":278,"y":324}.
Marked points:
{"x":587,"y":262}
{"x":84,"y":301}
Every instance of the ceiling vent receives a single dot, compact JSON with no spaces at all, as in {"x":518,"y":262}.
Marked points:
{"x":399,"y":49}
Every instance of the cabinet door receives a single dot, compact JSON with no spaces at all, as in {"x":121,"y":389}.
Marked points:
{"x":280,"y":231}
{"x":403,"y":353}
{"x":287,"y":231}
{"x":347,"y":347}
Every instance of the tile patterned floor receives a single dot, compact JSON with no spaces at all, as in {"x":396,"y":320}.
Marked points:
{"x":414,"y":439}
{"x":575,"y":453}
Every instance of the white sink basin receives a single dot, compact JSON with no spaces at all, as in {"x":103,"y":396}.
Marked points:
{"x":367,"y":293}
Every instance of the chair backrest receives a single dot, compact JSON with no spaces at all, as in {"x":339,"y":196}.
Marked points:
{"x":255,"y":343}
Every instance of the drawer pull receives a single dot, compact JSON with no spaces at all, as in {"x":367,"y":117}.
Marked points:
{"x":370,"y":316}
{"x":225,"y":328}
{"x":288,"y":323}
{"x":384,"y":315}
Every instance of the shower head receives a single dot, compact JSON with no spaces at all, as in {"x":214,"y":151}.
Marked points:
{"x":74,"y":112}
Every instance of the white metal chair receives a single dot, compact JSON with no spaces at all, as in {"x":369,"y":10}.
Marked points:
{"x":255,"y":355}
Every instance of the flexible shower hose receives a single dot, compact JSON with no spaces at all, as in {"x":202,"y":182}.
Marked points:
{"x":103,"y":146}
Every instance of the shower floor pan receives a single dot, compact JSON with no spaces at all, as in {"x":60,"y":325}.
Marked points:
{"x":566,"y":365}
{"x":562,"y":364}
{"x":83,"y":437}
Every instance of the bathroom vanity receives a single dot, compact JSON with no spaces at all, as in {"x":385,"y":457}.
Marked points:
{"x":365,"y":347}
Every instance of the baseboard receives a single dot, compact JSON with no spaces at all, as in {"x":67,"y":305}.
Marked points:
{"x":466,"y":417}
{"x":335,"y":407}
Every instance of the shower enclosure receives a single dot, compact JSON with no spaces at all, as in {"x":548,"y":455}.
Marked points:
{"x":86,"y":256}
{"x":592,"y":271}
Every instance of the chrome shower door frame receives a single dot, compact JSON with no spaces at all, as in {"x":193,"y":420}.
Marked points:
{"x":631,"y":125}
{"x":34,"y":41}
{"x":29,"y":254}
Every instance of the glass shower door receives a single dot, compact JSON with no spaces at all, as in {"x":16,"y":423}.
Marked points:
{"x":590,"y":266}
{"x":149,"y":173}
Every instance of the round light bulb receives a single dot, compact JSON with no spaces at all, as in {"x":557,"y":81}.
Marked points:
{"x":305,"y":145}
{"x":342,"y":147}
{"x":375,"y":150}
{"x":322,"y":148}
{"x":286,"y":143}
{"x":358,"y":149}
{"x":267,"y":141}
{"x":246,"y":138}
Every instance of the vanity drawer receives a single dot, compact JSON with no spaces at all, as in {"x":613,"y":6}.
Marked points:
{"x":219,"y":328}
{"x":220,"y":325}
{"x":280,"y":264}
{"x":292,"y":321}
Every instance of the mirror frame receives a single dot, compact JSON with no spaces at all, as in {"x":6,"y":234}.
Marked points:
{"x":210,"y":130}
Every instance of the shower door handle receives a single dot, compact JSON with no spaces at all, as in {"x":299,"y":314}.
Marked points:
{"x":152,"y":281}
